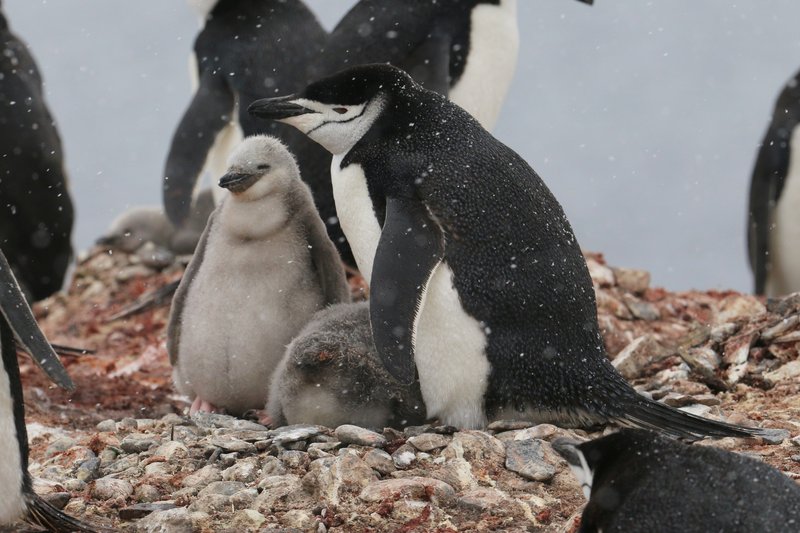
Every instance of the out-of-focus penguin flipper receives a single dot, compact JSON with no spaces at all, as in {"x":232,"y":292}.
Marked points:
{"x":210,"y":111}
{"x":410,"y":248}
{"x":769,"y":174}
{"x":20,"y":317}
{"x":179,"y":300}
{"x":429,"y":63}
{"x":44,"y":515}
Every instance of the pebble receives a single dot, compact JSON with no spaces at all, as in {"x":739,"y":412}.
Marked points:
{"x":638,"y":355}
{"x":109,"y":488}
{"x":107,"y":425}
{"x":526,"y":458}
{"x":146,"y":493}
{"x":246,"y":471}
{"x":349,"y":434}
{"x":172,"y":450}
{"x":179,"y":520}
{"x":628,"y":279}
{"x":232,"y":444}
{"x":380,"y":461}
{"x":508,"y":425}
{"x":789,"y":371}
{"x":137,"y":443}
{"x":286,"y":434}
{"x":293,"y":459}
{"x":475,"y":446}
{"x":427,"y":442}
{"x":247,"y":520}
{"x":88,"y":469}
{"x":483,"y":499}
{"x":215,"y":420}
{"x":59,"y":446}
{"x":415,"y":488}
{"x":404,"y":456}
{"x":140,"y":510}
{"x":775,"y":436}
{"x":204,"y":476}
{"x":457,"y":473}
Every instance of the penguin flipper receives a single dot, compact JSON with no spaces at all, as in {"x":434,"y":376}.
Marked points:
{"x":326,"y":259}
{"x":179,"y":300}
{"x":410,"y":248}
{"x":44,"y":515}
{"x":769,"y":174}
{"x":20,"y":317}
{"x":209,"y":112}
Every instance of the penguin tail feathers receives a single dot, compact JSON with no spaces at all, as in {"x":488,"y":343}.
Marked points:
{"x":44,"y":515}
{"x":661,"y":418}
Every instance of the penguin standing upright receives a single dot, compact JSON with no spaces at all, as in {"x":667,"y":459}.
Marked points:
{"x":36,"y":212}
{"x":17,"y":499}
{"x":639,"y":482}
{"x":774,"y":215}
{"x":477,"y":281}
{"x":263,"y":267}
{"x":246,"y":48}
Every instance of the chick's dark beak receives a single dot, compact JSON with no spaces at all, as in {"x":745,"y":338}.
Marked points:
{"x":277,"y":108}
{"x":237,"y":181}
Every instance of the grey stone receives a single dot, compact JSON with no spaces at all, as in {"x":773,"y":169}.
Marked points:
{"x":232,"y":444}
{"x":140,"y":510}
{"x":483,"y":499}
{"x":225,"y":488}
{"x":109,"y":488}
{"x":404,"y":456}
{"x":638,"y":355}
{"x":211,"y":503}
{"x":414,"y":488}
{"x":508,"y":425}
{"x":107,"y":425}
{"x":244,"y":498}
{"x":246,"y":471}
{"x":179,"y":520}
{"x":287,"y":434}
{"x":628,"y":279}
{"x":272,"y":466}
{"x":247,"y":520}
{"x":475,"y":446}
{"x":349,"y":434}
{"x":429,"y":441}
{"x":137,"y":443}
{"x":172,"y":450}
{"x":327,"y":478}
{"x":88,"y":469}
{"x":380,"y":461}
{"x":146,"y":493}
{"x":293,"y":459}
{"x":204,"y":476}
{"x":120,"y":465}
{"x":279,"y":490}
{"x":526,"y":457}
{"x":457,"y":473}
{"x":214,"y":420}
{"x":413,"y":431}
{"x":301,"y":519}
{"x":774,"y":436}
{"x":59,"y":446}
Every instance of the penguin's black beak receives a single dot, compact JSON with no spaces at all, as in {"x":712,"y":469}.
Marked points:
{"x":237,"y":181}
{"x":277,"y":108}
{"x":19,"y":317}
{"x":590,"y":2}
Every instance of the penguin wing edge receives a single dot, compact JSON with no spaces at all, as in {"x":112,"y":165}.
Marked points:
{"x":19,"y":316}
{"x":326,"y":260}
{"x":209,"y":112}
{"x":769,"y":174}
{"x":179,"y":300}
{"x":410,"y":248}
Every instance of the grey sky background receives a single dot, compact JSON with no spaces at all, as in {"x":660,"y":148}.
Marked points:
{"x":643,"y":117}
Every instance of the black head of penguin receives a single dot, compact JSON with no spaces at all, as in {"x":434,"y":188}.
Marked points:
{"x":637,"y":481}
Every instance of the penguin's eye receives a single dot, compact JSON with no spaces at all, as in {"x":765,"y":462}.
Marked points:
{"x":263,"y":167}
{"x":340,"y":110}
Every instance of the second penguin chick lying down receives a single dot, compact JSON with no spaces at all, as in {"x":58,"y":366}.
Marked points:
{"x":262,"y":268}
{"x":140,"y":225}
{"x":332,"y":375}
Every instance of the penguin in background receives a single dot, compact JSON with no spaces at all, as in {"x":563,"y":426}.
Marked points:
{"x":638,"y":482}
{"x":332,"y":375}
{"x":263,"y":267}
{"x":463,"y":49}
{"x":477,"y":282}
{"x":36,"y":211}
{"x":17,"y":498}
{"x":245,"y":49}
{"x":774,"y":214}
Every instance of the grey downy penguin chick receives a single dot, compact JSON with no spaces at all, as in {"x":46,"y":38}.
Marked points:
{"x":478,"y":284}
{"x":774,"y":210}
{"x":332,"y":375}
{"x":639,"y":482}
{"x":140,"y":225}
{"x":263,"y":267}
{"x":17,"y":498}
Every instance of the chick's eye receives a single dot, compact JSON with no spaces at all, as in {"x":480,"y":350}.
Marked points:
{"x":340,"y":110}
{"x":263,"y":167}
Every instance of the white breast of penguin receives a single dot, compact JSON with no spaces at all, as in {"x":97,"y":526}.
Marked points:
{"x":12,"y":505}
{"x":494,"y":43}
{"x":450,"y":345}
{"x":784,"y":245}
{"x":247,"y":302}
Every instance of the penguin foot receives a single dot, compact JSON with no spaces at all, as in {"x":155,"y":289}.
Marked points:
{"x":260,"y":416}
{"x":201,"y":406}
{"x":359,"y":288}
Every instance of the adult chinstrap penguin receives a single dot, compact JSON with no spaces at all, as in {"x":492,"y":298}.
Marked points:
{"x":17,"y":325}
{"x":477,"y":281}
{"x":774,"y":213}
{"x":263,"y":267}
{"x":244,"y":50}
{"x":332,"y":375}
{"x":639,"y":482}
{"x":36,"y":212}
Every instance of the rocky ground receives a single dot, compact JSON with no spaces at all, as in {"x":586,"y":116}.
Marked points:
{"x":119,"y":452}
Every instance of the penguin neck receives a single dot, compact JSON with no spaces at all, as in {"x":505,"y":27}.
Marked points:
{"x":254,"y":219}
{"x":14,"y":478}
